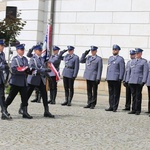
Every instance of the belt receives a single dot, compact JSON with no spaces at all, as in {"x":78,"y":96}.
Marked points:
{"x":69,"y":67}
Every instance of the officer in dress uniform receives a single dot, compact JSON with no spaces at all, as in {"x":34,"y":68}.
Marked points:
{"x":18,"y":80}
{"x":137,"y":77}
{"x":92,"y":74}
{"x":115,"y":72}
{"x":55,"y":59}
{"x":125,"y":82}
{"x":148,"y":87}
{"x":69,"y":73}
{"x":3,"y":67}
{"x":37,"y":79}
{"x":37,"y":91}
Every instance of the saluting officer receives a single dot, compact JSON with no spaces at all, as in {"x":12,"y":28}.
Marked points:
{"x":55,"y":59}
{"x":115,"y":72}
{"x":148,"y":87}
{"x":3,"y":67}
{"x":138,"y":72}
{"x":125,"y":82}
{"x":18,"y":80}
{"x":37,"y":79}
{"x":92,"y":74}
{"x":70,"y":72}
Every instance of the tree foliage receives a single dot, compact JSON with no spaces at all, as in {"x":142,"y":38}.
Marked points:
{"x":10,"y":28}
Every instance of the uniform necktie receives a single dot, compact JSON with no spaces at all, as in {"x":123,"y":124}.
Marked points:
{"x":22,"y":61}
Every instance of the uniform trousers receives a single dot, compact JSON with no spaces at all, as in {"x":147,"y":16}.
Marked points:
{"x":2,"y":96}
{"x":114,"y":88}
{"x":69,"y":87}
{"x":136,"y":90}
{"x":14,"y":91}
{"x":53,"y":83}
{"x":128,"y":97}
{"x":53,"y":87}
{"x":42,"y":89}
{"x":148,"y":88}
{"x":92,"y":87}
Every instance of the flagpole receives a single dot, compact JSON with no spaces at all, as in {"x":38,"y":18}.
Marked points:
{"x":51,"y":23}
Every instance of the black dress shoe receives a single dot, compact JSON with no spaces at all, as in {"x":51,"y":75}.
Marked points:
{"x":49,"y":102}
{"x":147,"y":112}
{"x":34,"y":101}
{"x":92,"y":107}
{"x":49,"y":115}
{"x":20,"y":111}
{"x":69,"y":104}
{"x":65,"y":103}
{"x":27,"y":116}
{"x":126,"y":109}
{"x":5,"y":116}
{"x":137,"y":113}
{"x":109,"y":109}
{"x":114,"y":110}
{"x":87,"y":106}
{"x":53,"y":103}
{"x":131,"y":112}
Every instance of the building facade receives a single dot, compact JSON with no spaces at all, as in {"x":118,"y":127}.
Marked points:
{"x":83,"y":23}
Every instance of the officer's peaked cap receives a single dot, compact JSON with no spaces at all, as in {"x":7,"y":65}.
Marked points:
{"x":116,"y":47}
{"x":37,"y":47}
{"x":20,"y":46}
{"x":138,"y":50}
{"x":70,"y":48}
{"x":55,"y":48}
{"x":2,"y":41}
{"x":94,"y":48}
{"x":132,"y":52}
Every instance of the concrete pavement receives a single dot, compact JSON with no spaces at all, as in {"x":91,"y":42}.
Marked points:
{"x":75,"y":128}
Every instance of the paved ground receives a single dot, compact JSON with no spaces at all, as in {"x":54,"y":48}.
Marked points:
{"x":75,"y":128}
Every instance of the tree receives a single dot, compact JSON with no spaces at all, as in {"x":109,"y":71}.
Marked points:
{"x":10,"y":28}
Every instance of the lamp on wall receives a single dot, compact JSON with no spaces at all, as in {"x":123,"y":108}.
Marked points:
{"x":11,"y":11}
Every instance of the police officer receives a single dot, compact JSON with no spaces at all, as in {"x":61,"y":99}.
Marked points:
{"x":138,"y":72}
{"x":115,"y":72}
{"x":55,"y":59}
{"x":37,"y":91}
{"x":92,"y":74}
{"x":18,"y":79}
{"x":125,"y":82}
{"x":37,"y":79}
{"x":69,"y":73}
{"x":148,"y":87}
{"x":3,"y":67}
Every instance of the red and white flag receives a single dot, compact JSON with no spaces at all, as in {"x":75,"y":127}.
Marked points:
{"x":54,"y":71}
{"x":47,"y":42}
{"x":46,"y":50}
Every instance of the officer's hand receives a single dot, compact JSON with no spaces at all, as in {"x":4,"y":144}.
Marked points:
{"x":30,"y":50}
{"x":120,"y":80}
{"x":142,"y":84}
{"x":47,"y":70}
{"x":62,"y":52}
{"x":28,"y":71}
{"x":97,"y":81}
{"x":125,"y":84}
{"x":86,"y":52}
{"x":73,"y":78}
{"x":6,"y":67}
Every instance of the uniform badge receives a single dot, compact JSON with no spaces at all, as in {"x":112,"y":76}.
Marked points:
{"x":66,"y":62}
